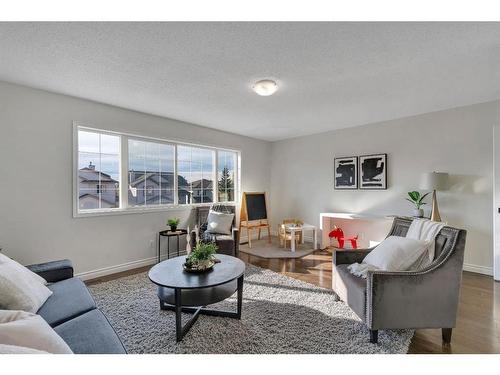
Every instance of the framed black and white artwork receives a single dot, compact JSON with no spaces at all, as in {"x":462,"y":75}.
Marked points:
{"x":373,"y":172}
{"x":346,"y":173}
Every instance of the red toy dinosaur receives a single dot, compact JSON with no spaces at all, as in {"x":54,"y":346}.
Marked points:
{"x":338,"y":233}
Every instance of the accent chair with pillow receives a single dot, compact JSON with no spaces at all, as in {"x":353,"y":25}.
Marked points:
{"x":420,"y":298}
{"x":217,"y":224}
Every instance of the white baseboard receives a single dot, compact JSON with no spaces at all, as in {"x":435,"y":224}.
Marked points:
{"x":115,"y":269}
{"x":478,"y":269}
{"x":89,"y":275}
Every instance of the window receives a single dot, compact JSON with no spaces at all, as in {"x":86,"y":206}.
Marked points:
{"x":195,"y":175}
{"x":98,"y":170}
{"x":121,"y":172}
{"x":226,"y":173}
{"x":150,"y":173}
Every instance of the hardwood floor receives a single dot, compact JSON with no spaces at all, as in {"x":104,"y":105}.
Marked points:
{"x":478,"y":324}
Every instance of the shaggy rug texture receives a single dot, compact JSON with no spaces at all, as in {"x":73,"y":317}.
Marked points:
{"x":280,"y":315}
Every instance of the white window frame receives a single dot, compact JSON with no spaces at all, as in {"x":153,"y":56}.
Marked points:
{"x":123,"y":179}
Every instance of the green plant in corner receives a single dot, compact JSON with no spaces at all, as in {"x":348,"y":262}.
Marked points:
{"x":202,"y":256}
{"x":418,"y":201}
{"x":173,"y":223}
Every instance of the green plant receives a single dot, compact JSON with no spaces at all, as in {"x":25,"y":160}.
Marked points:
{"x":416,"y":199}
{"x":204,"y":251}
{"x":173,"y":222}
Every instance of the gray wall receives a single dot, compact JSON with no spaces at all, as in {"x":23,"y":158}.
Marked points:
{"x":36,"y":222}
{"x":457,"y":141}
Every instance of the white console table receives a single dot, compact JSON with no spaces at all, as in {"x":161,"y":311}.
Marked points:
{"x":371,"y":229}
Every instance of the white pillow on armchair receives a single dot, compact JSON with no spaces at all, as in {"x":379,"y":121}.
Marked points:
{"x":393,"y":254}
{"x":219,"y":223}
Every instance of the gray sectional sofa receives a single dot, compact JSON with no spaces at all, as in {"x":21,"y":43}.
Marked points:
{"x":73,"y":314}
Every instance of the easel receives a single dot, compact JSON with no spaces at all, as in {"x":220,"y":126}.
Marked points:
{"x":251,"y":220}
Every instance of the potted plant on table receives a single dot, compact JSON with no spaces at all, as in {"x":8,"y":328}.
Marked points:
{"x":418,"y":201}
{"x":202,"y":257}
{"x":173,"y":223}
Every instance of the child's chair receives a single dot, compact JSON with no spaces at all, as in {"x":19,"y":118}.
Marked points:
{"x":285,"y":236}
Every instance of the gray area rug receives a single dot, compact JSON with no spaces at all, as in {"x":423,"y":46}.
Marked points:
{"x":280,"y":315}
{"x":264,"y":249}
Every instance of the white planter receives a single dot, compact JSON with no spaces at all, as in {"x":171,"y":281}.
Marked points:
{"x":418,"y":212}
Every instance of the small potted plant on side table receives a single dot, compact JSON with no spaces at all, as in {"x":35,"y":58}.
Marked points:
{"x":418,"y":201}
{"x":173,"y":223}
{"x":202,"y":258}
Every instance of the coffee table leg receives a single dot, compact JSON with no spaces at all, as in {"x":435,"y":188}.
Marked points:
{"x":240,"y":296}
{"x":178,"y":314}
{"x":177,"y":307}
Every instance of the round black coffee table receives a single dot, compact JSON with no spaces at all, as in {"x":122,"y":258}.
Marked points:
{"x":182,"y":291}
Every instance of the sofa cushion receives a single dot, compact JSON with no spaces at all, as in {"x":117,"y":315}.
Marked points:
{"x":350,"y":288}
{"x":90,"y":333}
{"x":70,"y":298}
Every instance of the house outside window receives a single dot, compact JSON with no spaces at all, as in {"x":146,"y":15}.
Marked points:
{"x":98,"y":171}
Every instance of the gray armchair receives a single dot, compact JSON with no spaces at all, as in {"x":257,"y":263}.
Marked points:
{"x":227,"y":244}
{"x":412,"y":299}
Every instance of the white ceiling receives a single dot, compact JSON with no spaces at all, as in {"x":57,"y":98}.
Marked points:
{"x":331,"y":75}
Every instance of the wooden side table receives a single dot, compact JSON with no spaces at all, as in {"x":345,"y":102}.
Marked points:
{"x":168,"y":234}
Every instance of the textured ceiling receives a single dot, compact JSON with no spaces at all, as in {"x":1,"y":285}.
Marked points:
{"x":331,"y":75}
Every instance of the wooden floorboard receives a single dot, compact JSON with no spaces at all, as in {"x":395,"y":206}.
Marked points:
{"x":477,"y":330}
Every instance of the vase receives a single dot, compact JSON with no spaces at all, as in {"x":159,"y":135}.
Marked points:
{"x":418,"y":212}
{"x":173,"y":228}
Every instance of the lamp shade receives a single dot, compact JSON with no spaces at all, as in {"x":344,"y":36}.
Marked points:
{"x":434,"y":181}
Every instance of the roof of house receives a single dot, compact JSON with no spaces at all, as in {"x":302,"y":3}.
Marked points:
{"x":91,"y":175}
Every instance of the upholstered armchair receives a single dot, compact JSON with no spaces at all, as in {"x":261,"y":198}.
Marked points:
{"x":427,"y":298}
{"x":227,"y":244}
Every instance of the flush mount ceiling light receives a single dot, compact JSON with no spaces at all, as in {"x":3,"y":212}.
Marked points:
{"x":265,"y":87}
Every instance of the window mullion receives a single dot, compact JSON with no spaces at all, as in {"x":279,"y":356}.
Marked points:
{"x":215,"y":185}
{"x":176,"y":178}
{"x":123,"y":172}
{"x":98,"y":187}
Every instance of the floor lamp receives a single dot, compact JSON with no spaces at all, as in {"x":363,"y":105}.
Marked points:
{"x":434,"y":181}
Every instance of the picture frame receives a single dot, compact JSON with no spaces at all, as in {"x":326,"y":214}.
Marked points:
{"x":345,"y":173}
{"x":373,"y":172}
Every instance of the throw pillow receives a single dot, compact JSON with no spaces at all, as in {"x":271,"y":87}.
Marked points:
{"x":26,"y":271}
{"x":28,"y":330}
{"x":19,"y":290}
{"x":396,"y":253}
{"x":219,"y":223}
{"x":14,"y":349}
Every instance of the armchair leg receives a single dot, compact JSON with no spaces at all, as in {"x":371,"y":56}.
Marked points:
{"x":446,"y":333}
{"x":373,"y":336}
